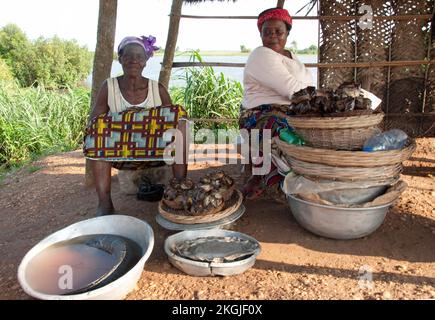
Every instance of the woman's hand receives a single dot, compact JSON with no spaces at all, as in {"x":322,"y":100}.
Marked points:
{"x":135,"y":108}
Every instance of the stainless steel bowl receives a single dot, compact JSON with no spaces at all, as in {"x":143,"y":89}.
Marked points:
{"x":202,"y":269}
{"x":336,"y":222}
{"x":224,"y":223}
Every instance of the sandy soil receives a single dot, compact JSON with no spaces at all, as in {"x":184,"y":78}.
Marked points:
{"x":294,"y":264}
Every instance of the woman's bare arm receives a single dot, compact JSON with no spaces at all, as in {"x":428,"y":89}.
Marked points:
{"x":100,"y":105}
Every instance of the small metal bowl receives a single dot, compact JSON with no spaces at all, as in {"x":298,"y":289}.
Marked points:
{"x":202,"y":269}
{"x":337,"y":222}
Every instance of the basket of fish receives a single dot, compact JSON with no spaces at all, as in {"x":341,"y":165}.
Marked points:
{"x":212,"y":252}
{"x":214,"y":197}
{"x":340,"y":120}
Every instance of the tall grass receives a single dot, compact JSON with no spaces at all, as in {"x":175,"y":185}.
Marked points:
{"x":35,"y":121}
{"x":208,"y":94}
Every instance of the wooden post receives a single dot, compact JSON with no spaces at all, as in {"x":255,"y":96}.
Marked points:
{"x":171,"y":42}
{"x":280,"y":4}
{"x":103,"y":59}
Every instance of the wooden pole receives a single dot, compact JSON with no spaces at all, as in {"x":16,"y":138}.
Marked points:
{"x":334,"y":18}
{"x":428,"y":56}
{"x":103,"y":59}
{"x":280,"y":4}
{"x":318,"y":44}
{"x":373,"y":64}
{"x":402,"y":115}
{"x":171,"y":42}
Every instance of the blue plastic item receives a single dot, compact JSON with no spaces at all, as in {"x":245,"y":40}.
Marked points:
{"x":389,"y":140}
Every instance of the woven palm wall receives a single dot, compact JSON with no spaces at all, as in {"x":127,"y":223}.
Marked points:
{"x":405,"y":89}
{"x":373,"y":45}
{"x":337,"y":42}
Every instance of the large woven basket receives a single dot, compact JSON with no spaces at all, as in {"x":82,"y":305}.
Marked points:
{"x":338,"y":133}
{"x":346,"y":158}
{"x":321,"y":171}
{"x":180,"y":216}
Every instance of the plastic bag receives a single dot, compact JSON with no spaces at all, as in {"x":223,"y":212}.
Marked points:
{"x":394,"y":139}
{"x":296,"y":184}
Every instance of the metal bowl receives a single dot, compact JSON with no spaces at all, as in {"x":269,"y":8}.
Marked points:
{"x":129,"y":227}
{"x":337,"y":222}
{"x":202,"y":269}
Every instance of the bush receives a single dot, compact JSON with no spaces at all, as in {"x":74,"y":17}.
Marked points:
{"x":54,"y":63}
{"x":34,"y":121}
{"x":209,"y":95}
{"x":243,"y":49}
{"x":5,"y":72}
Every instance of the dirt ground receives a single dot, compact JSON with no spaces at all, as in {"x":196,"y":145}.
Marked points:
{"x":294,"y":264}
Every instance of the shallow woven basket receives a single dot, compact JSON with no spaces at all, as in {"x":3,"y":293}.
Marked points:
{"x":321,"y":171}
{"x":347,"y":158}
{"x":338,"y":133}
{"x":228,"y":194}
{"x":183,"y":217}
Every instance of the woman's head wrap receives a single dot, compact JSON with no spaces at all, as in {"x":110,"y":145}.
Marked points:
{"x":147,"y":43}
{"x":274,"y":14}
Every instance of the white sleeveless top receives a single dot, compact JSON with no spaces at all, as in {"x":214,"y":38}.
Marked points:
{"x":117,"y":102}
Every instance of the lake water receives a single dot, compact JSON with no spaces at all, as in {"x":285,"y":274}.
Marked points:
{"x":152,"y":70}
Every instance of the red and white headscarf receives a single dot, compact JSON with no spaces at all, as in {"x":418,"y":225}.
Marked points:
{"x":275,"y":14}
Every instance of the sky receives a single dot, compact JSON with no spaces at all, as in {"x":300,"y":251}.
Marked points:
{"x":78,"y":19}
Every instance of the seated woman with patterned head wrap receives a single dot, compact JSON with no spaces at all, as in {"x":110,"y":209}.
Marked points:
{"x":128,"y":121}
{"x":272,"y":74}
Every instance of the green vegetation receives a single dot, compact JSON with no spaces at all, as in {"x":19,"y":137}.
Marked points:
{"x":311,"y":50}
{"x":5,"y":72}
{"x":243,"y":49}
{"x":52,"y":63}
{"x":208,"y":95}
{"x":36,"y":121}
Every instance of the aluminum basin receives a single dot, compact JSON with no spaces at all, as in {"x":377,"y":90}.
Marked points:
{"x":336,"y":222}
{"x":129,"y":227}
{"x":202,"y":269}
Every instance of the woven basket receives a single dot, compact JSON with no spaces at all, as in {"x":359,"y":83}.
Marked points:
{"x":321,"y":171}
{"x":227,"y":194}
{"x":173,"y":204}
{"x":181,"y":216}
{"x":338,"y":133}
{"x":347,"y":158}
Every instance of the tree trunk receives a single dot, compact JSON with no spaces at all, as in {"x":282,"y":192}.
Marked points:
{"x":280,"y":4}
{"x":171,"y":42}
{"x":103,"y":57}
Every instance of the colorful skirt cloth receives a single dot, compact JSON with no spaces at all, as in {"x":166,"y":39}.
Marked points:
{"x":132,"y":139}
{"x":266,"y":116}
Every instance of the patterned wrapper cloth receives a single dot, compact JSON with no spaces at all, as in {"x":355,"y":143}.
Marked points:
{"x":266,"y":116}
{"x":132,"y":139}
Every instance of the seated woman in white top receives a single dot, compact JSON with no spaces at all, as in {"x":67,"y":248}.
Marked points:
{"x":131,"y":90}
{"x":272,"y":74}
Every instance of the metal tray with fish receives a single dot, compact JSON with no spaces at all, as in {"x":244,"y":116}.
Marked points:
{"x":223,"y":223}
{"x":212,"y":252}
